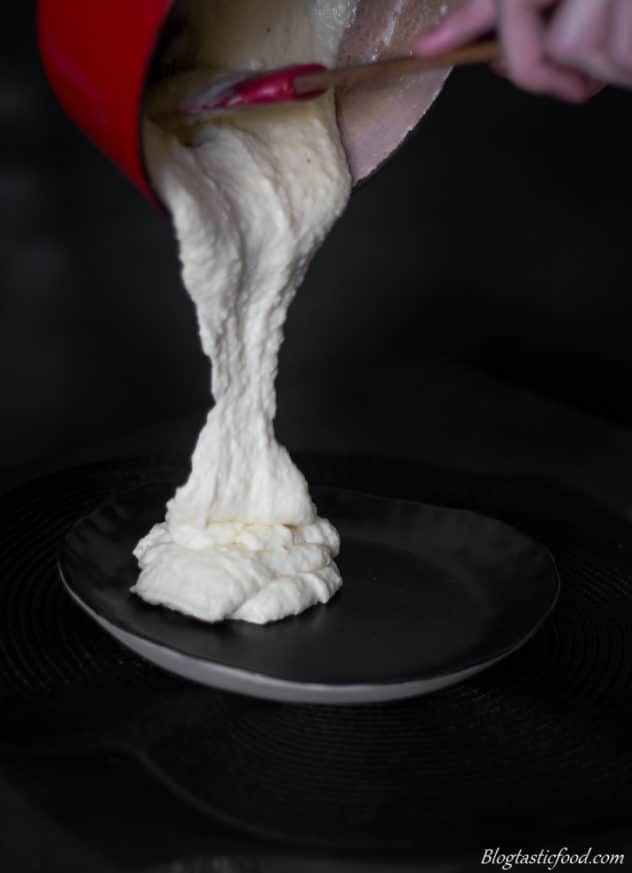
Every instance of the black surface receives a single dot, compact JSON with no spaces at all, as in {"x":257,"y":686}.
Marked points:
{"x":428,"y":592}
{"x":535,"y":747}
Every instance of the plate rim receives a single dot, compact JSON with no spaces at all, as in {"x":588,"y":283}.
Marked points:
{"x":240,"y":681}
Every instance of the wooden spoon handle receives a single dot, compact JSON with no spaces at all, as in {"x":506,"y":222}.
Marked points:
{"x":481,"y":52}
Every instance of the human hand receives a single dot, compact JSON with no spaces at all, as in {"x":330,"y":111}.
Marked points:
{"x":564,"y":48}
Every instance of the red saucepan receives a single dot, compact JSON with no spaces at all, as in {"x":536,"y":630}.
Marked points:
{"x":97,"y":55}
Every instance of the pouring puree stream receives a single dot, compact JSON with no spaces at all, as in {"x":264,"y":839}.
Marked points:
{"x":252,"y":200}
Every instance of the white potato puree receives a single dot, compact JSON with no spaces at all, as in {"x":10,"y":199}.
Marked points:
{"x":251,"y":204}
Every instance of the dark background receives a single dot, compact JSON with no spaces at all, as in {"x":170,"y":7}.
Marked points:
{"x":470,"y":310}
{"x":498,"y":237}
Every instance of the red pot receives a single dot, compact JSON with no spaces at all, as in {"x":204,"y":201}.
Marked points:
{"x":96,"y":56}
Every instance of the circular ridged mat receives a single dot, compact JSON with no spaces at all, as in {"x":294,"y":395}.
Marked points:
{"x":541,"y":738}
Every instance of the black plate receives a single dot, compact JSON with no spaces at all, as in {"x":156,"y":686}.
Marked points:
{"x":431,"y":596}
